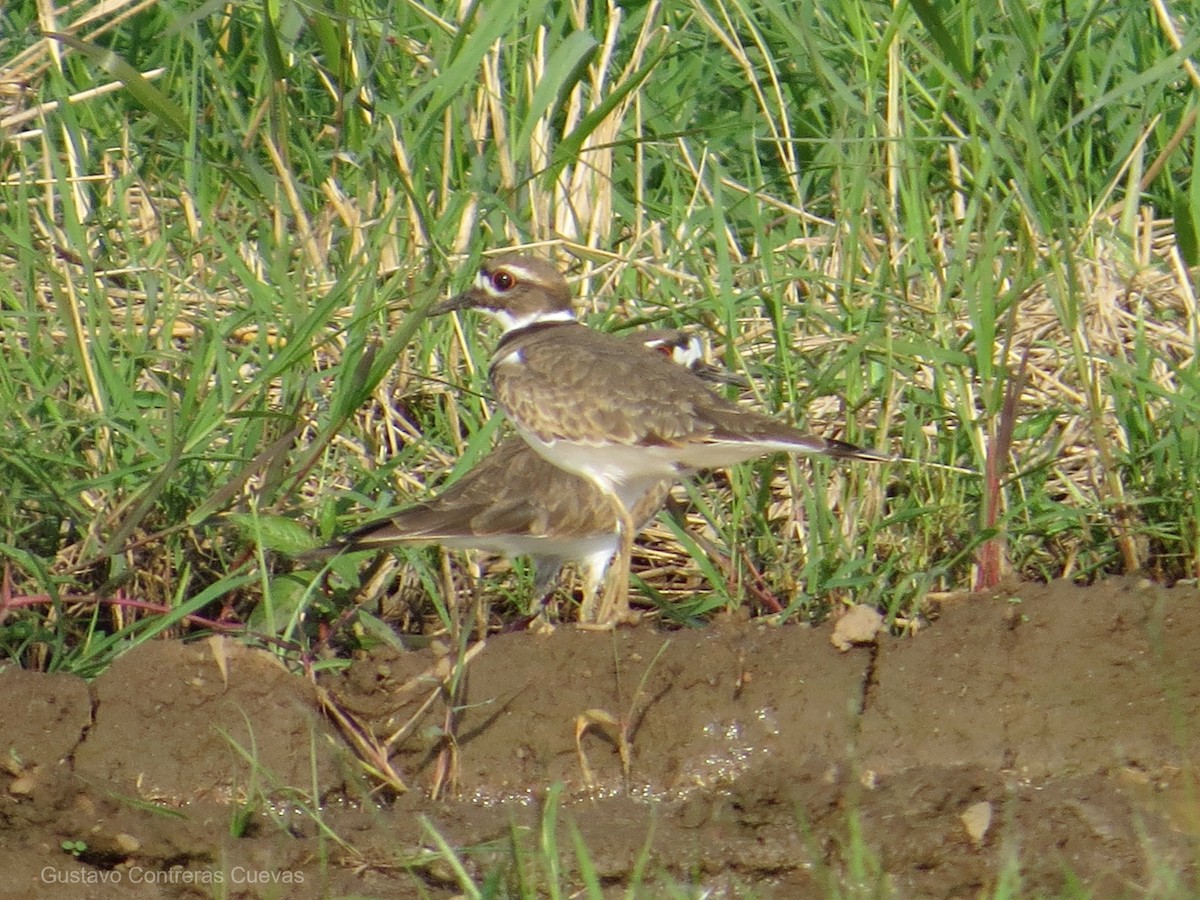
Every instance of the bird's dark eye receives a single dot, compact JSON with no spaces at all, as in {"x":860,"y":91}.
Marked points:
{"x":503,"y":280}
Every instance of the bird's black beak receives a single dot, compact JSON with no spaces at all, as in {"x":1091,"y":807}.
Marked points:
{"x":462,"y":301}
{"x":720,"y":375}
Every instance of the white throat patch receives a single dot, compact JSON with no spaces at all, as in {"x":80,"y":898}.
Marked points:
{"x":510,"y":322}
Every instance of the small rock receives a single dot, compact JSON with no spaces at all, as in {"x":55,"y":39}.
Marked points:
{"x":859,"y":625}
{"x":23,"y":786}
{"x":977,"y":819}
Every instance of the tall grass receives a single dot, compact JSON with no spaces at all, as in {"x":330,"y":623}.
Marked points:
{"x":213,"y":328}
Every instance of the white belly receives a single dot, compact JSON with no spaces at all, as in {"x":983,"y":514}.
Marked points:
{"x":510,"y":545}
{"x":620,"y":470}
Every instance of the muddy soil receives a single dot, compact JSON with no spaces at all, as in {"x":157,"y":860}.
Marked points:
{"x":1047,"y":736}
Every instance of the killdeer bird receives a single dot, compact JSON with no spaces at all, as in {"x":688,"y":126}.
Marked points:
{"x":515,"y":503}
{"x":590,"y":404}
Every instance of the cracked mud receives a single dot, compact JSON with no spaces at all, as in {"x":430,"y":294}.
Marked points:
{"x":1050,"y":732}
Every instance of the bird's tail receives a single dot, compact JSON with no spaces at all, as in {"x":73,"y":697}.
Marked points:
{"x":842,"y":450}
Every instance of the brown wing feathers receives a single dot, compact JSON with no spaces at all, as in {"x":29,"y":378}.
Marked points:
{"x":643,"y":400}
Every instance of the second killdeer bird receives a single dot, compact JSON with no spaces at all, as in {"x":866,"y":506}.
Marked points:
{"x":590,"y":404}
{"x":515,"y":503}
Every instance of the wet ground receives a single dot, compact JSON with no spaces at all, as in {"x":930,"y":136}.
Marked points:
{"x":1046,"y":737}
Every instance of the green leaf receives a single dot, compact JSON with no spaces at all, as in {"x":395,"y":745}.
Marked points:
{"x":277,"y":533}
{"x":564,"y":70}
{"x":570,"y":146}
{"x":142,"y":90}
{"x":932,"y":20}
{"x":271,"y":42}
